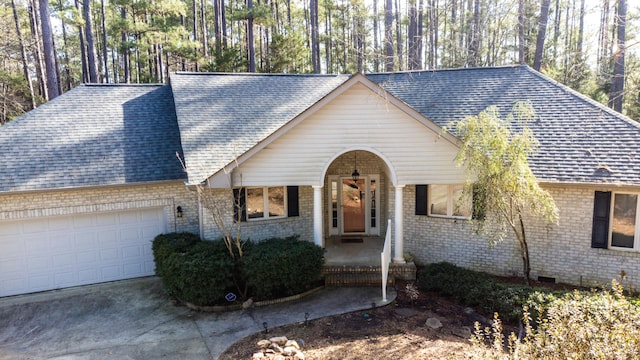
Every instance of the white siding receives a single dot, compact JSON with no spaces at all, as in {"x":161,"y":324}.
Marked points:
{"x":357,"y":119}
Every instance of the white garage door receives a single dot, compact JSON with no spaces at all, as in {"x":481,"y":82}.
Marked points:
{"x":63,"y":251}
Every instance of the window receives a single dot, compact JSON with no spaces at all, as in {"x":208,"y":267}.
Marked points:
{"x":624,"y":221}
{"x":265,"y":203}
{"x":447,"y":201}
{"x":616,"y":219}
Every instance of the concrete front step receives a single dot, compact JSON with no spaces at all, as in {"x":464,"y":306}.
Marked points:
{"x":359,"y":275}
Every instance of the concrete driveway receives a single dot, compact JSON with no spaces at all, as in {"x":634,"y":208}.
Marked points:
{"x":135,"y":319}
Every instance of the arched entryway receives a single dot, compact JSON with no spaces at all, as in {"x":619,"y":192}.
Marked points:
{"x":357,"y":199}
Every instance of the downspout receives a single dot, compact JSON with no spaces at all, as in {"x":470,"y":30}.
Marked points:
{"x":200,"y":215}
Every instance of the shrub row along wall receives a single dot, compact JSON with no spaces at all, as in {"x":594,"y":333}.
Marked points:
{"x":204,"y":272}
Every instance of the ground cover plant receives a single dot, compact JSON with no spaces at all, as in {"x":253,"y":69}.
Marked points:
{"x":201,"y":272}
{"x":400,"y":331}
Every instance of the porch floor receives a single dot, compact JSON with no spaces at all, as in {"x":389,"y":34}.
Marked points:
{"x":342,"y":250}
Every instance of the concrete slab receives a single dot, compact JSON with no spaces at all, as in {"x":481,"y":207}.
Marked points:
{"x":135,"y":319}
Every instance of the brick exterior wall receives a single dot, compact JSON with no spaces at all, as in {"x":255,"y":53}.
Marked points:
{"x":29,"y":205}
{"x":257,"y":230}
{"x":560,"y":251}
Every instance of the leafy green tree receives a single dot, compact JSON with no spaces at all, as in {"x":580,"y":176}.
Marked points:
{"x":505,"y":191}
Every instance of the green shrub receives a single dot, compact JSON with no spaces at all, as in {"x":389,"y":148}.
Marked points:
{"x":282,"y":267}
{"x":580,"y":325}
{"x":203,"y":272}
{"x":165,"y":245}
{"x":202,"y":275}
{"x":483,"y":292}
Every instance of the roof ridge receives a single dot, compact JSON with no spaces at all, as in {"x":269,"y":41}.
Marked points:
{"x":447,"y":70}
{"x":248,"y":74}
{"x":122,"y":85}
{"x":583,"y":97}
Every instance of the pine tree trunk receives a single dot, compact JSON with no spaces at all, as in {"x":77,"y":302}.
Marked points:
{"x":203,"y":22}
{"x":398,"y":37}
{"x":376,"y":42}
{"x":35,"y":33}
{"x":617,"y":80}
{"x":23,"y":55}
{"x":388,"y":35}
{"x":315,"y":46}
{"x":104,"y":42}
{"x":251,"y":56}
{"x":521,"y":31}
{"x":474,"y":46}
{"x":49,"y":51}
{"x":91,"y":46}
{"x":542,"y":33}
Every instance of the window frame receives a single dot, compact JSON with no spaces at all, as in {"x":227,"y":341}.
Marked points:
{"x":636,"y":236}
{"x":451,"y":203}
{"x":265,"y":201}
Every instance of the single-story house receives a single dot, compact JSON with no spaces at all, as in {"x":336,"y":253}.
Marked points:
{"x":89,"y":178}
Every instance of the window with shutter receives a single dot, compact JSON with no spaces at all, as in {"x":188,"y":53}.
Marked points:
{"x":600,"y":230}
{"x":421,"y":199}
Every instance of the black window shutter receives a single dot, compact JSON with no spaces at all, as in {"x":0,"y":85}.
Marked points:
{"x":239,"y":205}
{"x":421,"y":200}
{"x":601,"y":210}
{"x":293,"y":208}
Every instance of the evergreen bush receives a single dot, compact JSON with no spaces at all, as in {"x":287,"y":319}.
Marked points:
{"x":202,"y":272}
{"x":482,"y":291}
{"x":282,"y":267}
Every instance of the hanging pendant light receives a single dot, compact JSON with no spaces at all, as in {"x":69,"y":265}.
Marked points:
{"x":355,"y":174}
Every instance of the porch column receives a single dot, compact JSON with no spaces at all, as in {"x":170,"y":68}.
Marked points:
{"x":399,"y":229}
{"x":318,"y":237}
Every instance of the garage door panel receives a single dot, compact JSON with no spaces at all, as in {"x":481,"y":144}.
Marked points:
{"x":109,"y":273}
{"x":130,"y":234}
{"x":12,"y":248}
{"x":40,"y":282}
{"x":108,"y":255}
{"x":60,"y":223}
{"x":35,"y":243}
{"x":107,"y":219}
{"x":35,"y":227}
{"x":36,"y":264}
{"x":85,"y":240}
{"x":86,"y":258}
{"x":88,"y":276}
{"x":10,"y":228}
{"x":133,"y":270}
{"x":128,"y":218}
{"x":62,"y":260}
{"x":65,"y":279}
{"x":84,"y":221}
{"x":129,"y":252}
{"x":49,"y":253}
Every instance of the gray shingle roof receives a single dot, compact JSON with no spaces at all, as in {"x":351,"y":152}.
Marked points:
{"x":93,"y":135}
{"x":580,"y":139}
{"x":221,"y":116}
{"x":110,"y":135}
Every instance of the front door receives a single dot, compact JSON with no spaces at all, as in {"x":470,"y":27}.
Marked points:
{"x":354,"y":205}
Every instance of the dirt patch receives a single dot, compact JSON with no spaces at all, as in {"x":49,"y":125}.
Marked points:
{"x":396,"y":331}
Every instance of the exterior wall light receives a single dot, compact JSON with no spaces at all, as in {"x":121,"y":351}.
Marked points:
{"x":179,"y":211}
